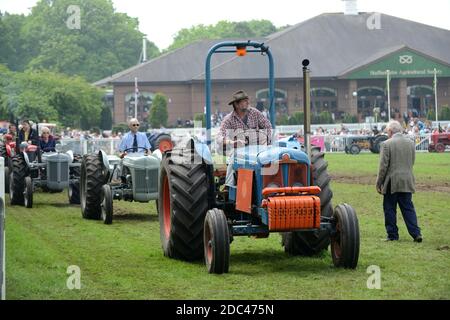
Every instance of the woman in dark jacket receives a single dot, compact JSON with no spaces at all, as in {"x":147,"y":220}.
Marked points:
{"x":47,"y":143}
{"x":27,"y":133}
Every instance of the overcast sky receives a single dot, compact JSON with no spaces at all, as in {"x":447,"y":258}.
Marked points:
{"x":161,"y":19}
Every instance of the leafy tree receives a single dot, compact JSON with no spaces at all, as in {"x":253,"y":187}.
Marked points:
{"x":50,"y":96}
{"x":158,"y":111}
{"x":106,"y":118}
{"x":223,"y":29}
{"x":323,"y":118}
{"x":12,"y":51}
{"x":296,"y":118}
{"x":105,"y":43}
{"x":282,"y":120}
{"x":431,"y":115}
{"x":350,"y":118}
{"x":445,"y":113}
{"x":120,"y":127}
{"x":200,"y":117}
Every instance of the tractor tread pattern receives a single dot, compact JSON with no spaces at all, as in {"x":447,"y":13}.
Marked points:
{"x":92,"y":172}
{"x":19,"y":172}
{"x":189,"y":204}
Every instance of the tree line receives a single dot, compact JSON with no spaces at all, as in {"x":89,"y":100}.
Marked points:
{"x":49,"y":54}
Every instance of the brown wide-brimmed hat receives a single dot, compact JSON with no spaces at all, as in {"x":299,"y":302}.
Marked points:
{"x":238,"y":96}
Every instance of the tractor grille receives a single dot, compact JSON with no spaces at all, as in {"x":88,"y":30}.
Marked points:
{"x":58,"y":171}
{"x":288,"y":213}
{"x":145,"y":181}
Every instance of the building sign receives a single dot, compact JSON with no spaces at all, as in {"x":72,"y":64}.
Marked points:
{"x":401,"y":64}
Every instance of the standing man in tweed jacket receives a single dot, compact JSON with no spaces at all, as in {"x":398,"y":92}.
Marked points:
{"x":396,"y":181}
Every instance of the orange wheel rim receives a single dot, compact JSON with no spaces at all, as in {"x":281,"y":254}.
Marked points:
{"x":165,"y":145}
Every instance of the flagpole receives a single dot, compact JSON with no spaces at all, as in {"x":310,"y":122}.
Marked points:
{"x":388,"y":94}
{"x":435,"y":95}
{"x":135,"y":97}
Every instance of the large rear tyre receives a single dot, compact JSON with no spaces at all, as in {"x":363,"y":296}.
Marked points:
{"x":216,"y":239}
{"x":376,"y":143}
{"x":345,"y":239}
{"x":163,"y":142}
{"x":17,"y":180}
{"x":91,"y":182}
{"x":107,"y":204}
{"x":310,"y":243}
{"x":183,"y":202}
{"x":28,"y":194}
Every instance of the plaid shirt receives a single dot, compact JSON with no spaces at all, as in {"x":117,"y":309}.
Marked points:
{"x":256,"y":130}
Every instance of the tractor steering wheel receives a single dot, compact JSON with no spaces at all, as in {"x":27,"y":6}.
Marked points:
{"x":132,"y":148}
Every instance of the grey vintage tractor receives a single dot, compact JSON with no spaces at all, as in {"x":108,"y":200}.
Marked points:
{"x":354,"y":144}
{"x":50,"y":171}
{"x":282,"y":187}
{"x":105,"y":178}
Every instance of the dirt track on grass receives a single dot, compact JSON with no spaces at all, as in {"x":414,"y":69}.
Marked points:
{"x":371,"y":180}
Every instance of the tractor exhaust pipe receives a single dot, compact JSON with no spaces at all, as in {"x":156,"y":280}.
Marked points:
{"x":306,"y":108}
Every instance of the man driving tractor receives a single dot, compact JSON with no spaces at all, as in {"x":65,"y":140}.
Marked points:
{"x":134,"y":141}
{"x":244,"y":126}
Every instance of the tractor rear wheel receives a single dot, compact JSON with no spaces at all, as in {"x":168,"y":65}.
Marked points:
{"x":311,"y":243}
{"x":183,"y":202}
{"x":17,"y":180}
{"x":345,"y":240}
{"x":91,"y":182}
{"x":216,"y":239}
{"x":163,"y":142}
{"x":440,"y":147}
{"x":376,"y":143}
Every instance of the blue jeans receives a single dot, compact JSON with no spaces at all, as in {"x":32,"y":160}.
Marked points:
{"x":404,"y":200}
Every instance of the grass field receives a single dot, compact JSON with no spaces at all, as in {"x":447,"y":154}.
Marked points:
{"x":125,"y":261}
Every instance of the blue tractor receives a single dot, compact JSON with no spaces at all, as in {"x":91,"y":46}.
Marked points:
{"x":199,"y":216}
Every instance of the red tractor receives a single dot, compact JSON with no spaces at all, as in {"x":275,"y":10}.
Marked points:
{"x":439,"y":141}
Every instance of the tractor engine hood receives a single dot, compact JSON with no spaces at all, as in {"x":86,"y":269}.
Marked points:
{"x":141,"y":162}
{"x":262,"y":155}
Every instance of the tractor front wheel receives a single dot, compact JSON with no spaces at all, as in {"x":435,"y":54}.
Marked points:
{"x":107,"y":204}
{"x":216,"y":239}
{"x":28,"y":193}
{"x":345,"y":237}
{"x":355,"y":149}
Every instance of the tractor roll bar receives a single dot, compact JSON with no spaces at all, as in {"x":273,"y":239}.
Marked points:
{"x":254,"y":47}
